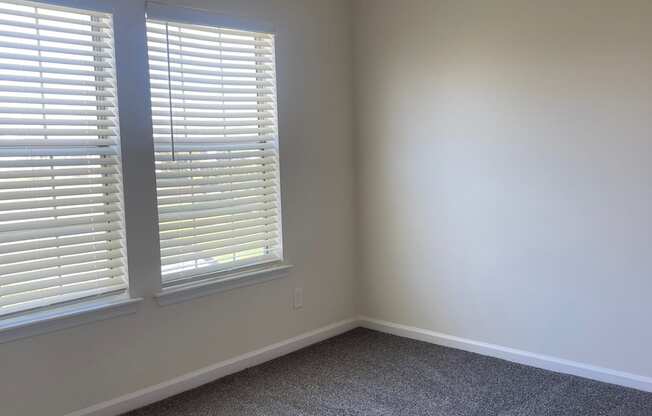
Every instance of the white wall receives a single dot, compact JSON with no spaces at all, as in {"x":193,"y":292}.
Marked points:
{"x":57,"y":373}
{"x":505,"y":182}
{"x":504,"y":194}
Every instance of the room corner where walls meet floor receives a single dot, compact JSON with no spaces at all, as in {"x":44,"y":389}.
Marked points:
{"x":209,"y":374}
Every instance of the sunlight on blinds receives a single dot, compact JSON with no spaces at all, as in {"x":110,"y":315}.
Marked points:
{"x":61,"y":225}
{"x":216,"y":141}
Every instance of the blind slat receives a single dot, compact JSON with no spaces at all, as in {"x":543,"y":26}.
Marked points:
{"x":56,"y":232}
{"x":210,"y":254}
{"x":55,"y":122}
{"x":56,"y":172}
{"x":169,"y":239}
{"x":162,"y":106}
{"x":60,"y":143}
{"x":224,"y":89}
{"x":166,"y":168}
{"x":218,"y":158}
{"x":192,"y":68}
{"x":167,"y":192}
{"x":49,"y":162}
{"x":166,"y":183}
{"x":51,"y":80}
{"x":210,"y":238}
{"x":250,"y":78}
{"x":57,"y":111}
{"x":198,"y":51}
{"x":62,"y":271}
{"x":27,"y":193}
{"x":68,"y":280}
{"x":55,"y":101}
{"x":216,"y":209}
{"x":194,"y":35}
{"x":47,"y":203}
{"x":206,"y":50}
{"x":52,"y":60}
{"x":34,"y":67}
{"x":56,"y":242}
{"x":227,"y":240}
{"x":213,"y":98}
{"x":59,"y":251}
{"x":208,"y":123}
{"x":212,"y":114}
{"x":55,"y":49}
{"x":57,"y":39}
{"x":225,"y":216}
{"x":64,"y":30}
{"x":58,"y":182}
{"x":75,"y":259}
{"x":202,"y":173}
{"x":207,"y":131}
{"x":54,"y":91}
{"x":229,"y":147}
{"x":205,"y":202}
{"x":56,"y":18}
{"x":254,"y":166}
{"x":26,"y":214}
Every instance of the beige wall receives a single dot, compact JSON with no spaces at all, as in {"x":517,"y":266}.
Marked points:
{"x":505,"y":182}
{"x":51,"y":375}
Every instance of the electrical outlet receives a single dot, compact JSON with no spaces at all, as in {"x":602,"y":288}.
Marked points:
{"x":298,"y":298}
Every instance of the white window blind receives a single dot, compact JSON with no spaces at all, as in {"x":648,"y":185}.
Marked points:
{"x":61,"y":226}
{"x":216,"y":142}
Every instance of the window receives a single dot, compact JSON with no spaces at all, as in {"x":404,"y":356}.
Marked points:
{"x":216,"y":148}
{"x":61,"y":225}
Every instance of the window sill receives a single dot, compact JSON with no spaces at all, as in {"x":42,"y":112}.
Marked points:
{"x":222,"y":283}
{"x":58,"y":318}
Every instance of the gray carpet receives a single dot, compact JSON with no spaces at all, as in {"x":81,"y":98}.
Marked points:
{"x":368,"y":373}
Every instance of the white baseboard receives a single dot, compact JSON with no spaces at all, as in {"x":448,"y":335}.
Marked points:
{"x":510,"y":354}
{"x":205,"y":375}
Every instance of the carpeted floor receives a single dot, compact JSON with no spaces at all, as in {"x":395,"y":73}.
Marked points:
{"x":368,"y":373}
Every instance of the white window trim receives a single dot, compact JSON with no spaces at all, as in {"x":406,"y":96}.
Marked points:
{"x":34,"y":252}
{"x":63,"y":317}
{"x":138,"y":173}
{"x":193,"y":16}
{"x":239,"y":276}
{"x":211,"y":284}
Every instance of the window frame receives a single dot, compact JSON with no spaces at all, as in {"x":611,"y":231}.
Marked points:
{"x":141,"y":243}
{"x":192,"y":16}
{"x":203,"y":284}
